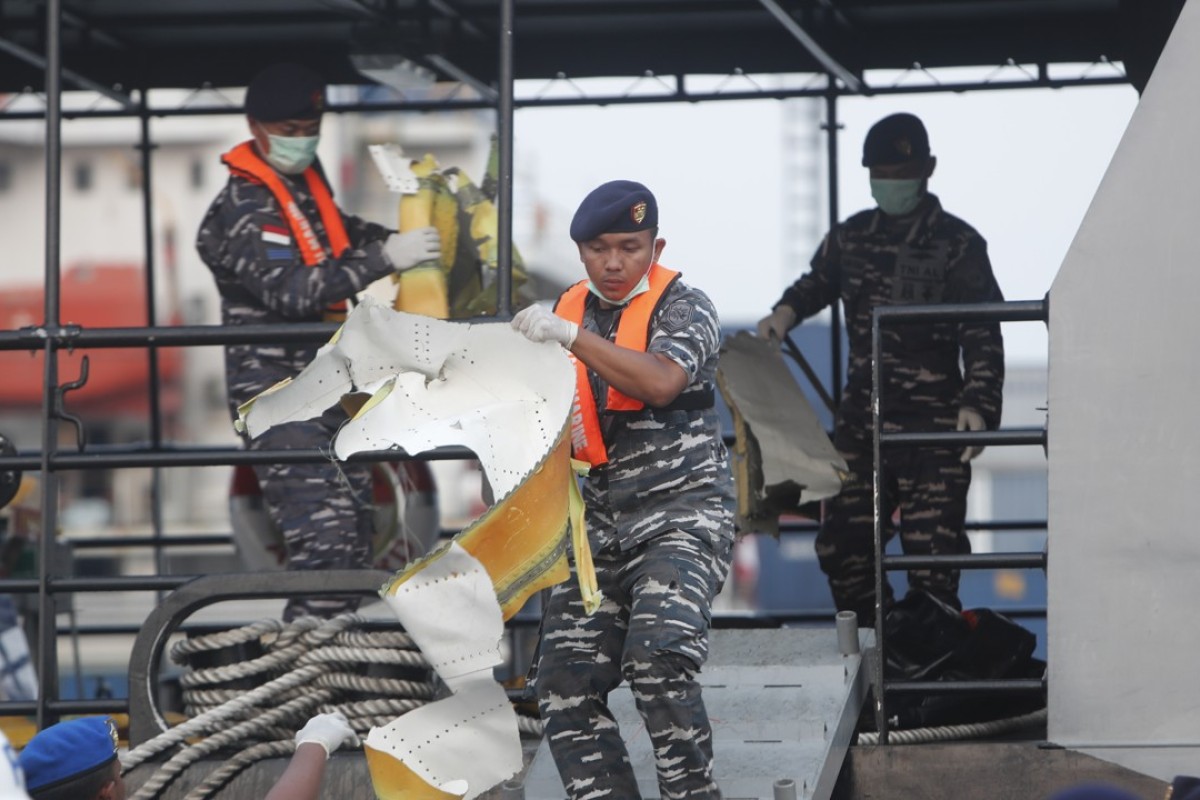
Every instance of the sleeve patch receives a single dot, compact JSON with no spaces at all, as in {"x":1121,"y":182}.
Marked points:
{"x":678,"y":316}
{"x":280,"y":253}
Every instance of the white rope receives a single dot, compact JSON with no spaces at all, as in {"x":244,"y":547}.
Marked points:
{"x":305,"y":666}
{"x":221,"y":639}
{"x":974,"y":730}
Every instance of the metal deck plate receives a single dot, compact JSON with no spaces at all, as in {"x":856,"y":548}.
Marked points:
{"x":783,"y":704}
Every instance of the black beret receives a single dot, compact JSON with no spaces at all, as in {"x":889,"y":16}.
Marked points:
{"x":615,"y":207}
{"x":285,"y":91}
{"x":1184,"y":787}
{"x":894,"y":140}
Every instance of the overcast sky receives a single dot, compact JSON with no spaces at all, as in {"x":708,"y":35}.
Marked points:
{"x":1020,"y":166}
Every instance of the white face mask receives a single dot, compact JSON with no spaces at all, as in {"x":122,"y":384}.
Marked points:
{"x":292,"y":155}
{"x":641,"y":287}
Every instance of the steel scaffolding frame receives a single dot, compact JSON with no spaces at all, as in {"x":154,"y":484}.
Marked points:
{"x":52,"y":336}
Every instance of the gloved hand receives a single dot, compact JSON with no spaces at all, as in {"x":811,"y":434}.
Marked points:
{"x":970,"y":420}
{"x":330,"y":731}
{"x":777,"y":323}
{"x":410,"y":248}
{"x":540,"y":324}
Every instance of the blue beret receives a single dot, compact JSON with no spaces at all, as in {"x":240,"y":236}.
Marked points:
{"x":68,"y":750}
{"x":285,"y":91}
{"x":894,"y":140}
{"x":1094,"y":791}
{"x":615,"y":207}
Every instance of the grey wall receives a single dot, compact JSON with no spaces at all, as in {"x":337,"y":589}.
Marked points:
{"x":1124,"y":453}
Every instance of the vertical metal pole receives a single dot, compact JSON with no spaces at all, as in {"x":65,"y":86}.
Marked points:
{"x":835,"y":319}
{"x":504,"y":196}
{"x":145,"y":147}
{"x":877,"y":516}
{"x":47,"y":629}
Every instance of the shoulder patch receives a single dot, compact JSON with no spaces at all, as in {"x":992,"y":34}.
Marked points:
{"x":678,"y":315}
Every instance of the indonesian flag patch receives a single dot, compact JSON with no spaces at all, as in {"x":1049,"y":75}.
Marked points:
{"x":276,"y":234}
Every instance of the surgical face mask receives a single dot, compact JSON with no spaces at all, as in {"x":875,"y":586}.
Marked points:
{"x":897,"y":197}
{"x":292,"y":155}
{"x":641,"y":287}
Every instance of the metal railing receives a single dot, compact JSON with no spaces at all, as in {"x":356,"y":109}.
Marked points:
{"x":1022,"y":311}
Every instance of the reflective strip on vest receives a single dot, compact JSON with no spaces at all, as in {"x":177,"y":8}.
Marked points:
{"x":244,"y":162}
{"x":633,"y":333}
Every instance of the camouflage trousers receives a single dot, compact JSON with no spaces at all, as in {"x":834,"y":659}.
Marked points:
{"x":929,"y":487}
{"x":322,"y":510}
{"x":651,"y":630}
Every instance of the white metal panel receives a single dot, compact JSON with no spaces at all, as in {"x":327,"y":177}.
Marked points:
{"x":1124,"y":445}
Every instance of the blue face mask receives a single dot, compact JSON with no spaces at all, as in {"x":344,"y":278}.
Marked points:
{"x":897,"y":197}
{"x":292,"y":155}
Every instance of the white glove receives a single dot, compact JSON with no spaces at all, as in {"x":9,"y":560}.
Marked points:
{"x":970,"y":420}
{"x":330,"y":731}
{"x":540,"y":324}
{"x":410,"y":248}
{"x":777,"y":323}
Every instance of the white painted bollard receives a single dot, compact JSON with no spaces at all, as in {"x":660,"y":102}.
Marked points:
{"x":847,"y":633}
{"x":785,"y":789}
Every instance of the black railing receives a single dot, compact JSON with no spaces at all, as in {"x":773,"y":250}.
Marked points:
{"x":1024,"y":311}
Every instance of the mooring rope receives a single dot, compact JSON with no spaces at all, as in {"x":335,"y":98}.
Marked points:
{"x":305,"y":665}
{"x":945,"y":733}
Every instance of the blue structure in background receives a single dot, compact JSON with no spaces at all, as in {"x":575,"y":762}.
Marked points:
{"x":790,"y":581}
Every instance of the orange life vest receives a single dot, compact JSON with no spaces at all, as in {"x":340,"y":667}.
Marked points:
{"x":245,"y":162}
{"x":633,"y":332}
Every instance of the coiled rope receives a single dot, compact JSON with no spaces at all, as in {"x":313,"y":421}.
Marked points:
{"x":944,"y":733}
{"x":308,"y":666}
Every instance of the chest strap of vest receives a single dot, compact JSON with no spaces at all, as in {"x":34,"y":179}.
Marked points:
{"x":244,"y":162}
{"x":692,"y":401}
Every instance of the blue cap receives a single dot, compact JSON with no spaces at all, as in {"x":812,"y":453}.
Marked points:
{"x":1094,"y":791}
{"x":615,"y":207}
{"x":68,"y":750}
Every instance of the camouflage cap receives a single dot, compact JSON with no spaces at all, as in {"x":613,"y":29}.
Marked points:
{"x":895,"y":139}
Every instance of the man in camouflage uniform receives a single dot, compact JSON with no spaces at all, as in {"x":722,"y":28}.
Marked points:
{"x":659,"y":506}
{"x":908,"y":250}
{"x":282,"y":252}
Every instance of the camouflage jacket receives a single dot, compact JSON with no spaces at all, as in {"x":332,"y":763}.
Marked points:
{"x":667,"y":469}
{"x":870,"y":260}
{"x":262,"y":278}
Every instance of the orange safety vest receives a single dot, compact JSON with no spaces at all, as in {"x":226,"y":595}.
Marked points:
{"x":633,"y":332}
{"x":245,"y":162}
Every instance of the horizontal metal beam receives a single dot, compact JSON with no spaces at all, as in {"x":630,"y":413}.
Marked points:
{"x":1002,"y":437}
{"x":213,"y":457}
{"x":1009,"y":311}
{"x":995,"y":686}
{"x":28,"y":708}
{"x":421,"y":106}
{"x":1006,"y":437}
{"x":1031,"y":560}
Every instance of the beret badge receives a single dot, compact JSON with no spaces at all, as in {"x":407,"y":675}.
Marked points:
{"x":637,"y":212}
